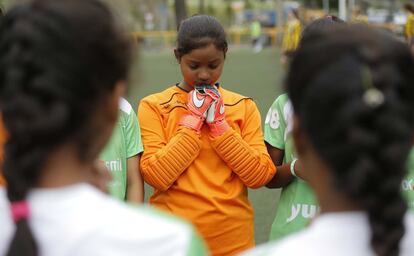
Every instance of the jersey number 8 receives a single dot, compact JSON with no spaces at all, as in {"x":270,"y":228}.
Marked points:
{"x":272,"y":118}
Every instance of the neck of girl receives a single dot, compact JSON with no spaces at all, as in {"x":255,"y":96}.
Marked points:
{"x":330,"y":198}
{"x":184,"y":86}
{"x":64,"y":168}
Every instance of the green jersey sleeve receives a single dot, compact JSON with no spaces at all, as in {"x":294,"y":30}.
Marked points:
{"x":275,"y":124}
{"x":197,"y":247}
{"x":132,"y":131}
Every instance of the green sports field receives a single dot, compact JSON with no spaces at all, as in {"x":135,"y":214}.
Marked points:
{"x":257,"y":75}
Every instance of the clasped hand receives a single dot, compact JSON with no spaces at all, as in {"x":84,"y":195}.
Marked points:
{"x":206,"y":105}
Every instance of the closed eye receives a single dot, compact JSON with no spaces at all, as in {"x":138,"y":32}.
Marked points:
{"x":193,"y":66}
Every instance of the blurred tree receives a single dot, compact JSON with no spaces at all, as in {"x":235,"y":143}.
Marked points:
{"x":392,"y":7}
{"x":180,"y":11}
{"x":333,"y":4}
{"x":211,"y":10}
{"x":228,"y":11}
{"x":201,"y":6}
{"x":248,"y":4}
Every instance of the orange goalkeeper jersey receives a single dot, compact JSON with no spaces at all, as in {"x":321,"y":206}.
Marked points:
{"x":205,"y":179}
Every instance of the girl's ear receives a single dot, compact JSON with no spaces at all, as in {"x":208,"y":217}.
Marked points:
{"x":177,"y":55}
{"x":113,"y":104}
{"x":120,"y":89}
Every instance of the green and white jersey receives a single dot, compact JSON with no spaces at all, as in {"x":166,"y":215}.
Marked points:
{"x":335,"y":234}
{"x":195,"y":245}
{"x":83,"y":221}
{"x":124,"y":143}
{"x":297,"y":204}
{"x":408,"y":182}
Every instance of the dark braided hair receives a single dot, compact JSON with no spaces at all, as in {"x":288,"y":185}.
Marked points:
{"x":59,"y":62}
{"x":199,"y":31}
{"x":364,"y":140}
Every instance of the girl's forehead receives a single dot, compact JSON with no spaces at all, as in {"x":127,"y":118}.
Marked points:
{"x":207,"y":53}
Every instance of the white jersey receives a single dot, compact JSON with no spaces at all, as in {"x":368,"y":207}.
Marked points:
{"x":334,"y":234}
{"x":80,"y":220}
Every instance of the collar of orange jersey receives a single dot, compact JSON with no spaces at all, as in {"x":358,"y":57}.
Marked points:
{"x":182,"y":89}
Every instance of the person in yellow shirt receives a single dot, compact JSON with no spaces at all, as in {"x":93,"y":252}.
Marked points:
{"x":358,"y":17}
{"x":292,"y":32}
{"x":203,"y":144}
{"x":291,"y":36}
{"x":409,"y":26}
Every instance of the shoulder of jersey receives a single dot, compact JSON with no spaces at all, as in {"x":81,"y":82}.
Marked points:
{"x":232,"y":99}
{"x":137,"y":227}
{"x":125,"y":106}
{"x":282,"y":98}
{"x":166,"y":100}
{"x":163,"y":96}
{"x":280,"y":101}
{"x":155,"y":223}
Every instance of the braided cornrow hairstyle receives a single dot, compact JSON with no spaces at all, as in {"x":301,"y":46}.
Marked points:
{"x":59,"y":61}
{"x":355,"y":103}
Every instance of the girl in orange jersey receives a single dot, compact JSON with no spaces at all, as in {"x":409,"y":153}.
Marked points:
{"x":202,"y":149}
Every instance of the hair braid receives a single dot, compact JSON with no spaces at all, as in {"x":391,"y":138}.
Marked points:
{"x":365,"y":146}
{"x":55,"y":69}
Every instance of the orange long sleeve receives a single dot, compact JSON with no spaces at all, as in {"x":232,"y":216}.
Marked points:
{"x":163,"y":162}
{"x":254,"y":168}
{"x":247,"y":155}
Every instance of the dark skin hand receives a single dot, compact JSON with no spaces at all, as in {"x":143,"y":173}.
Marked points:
{"x":283,"y":176}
